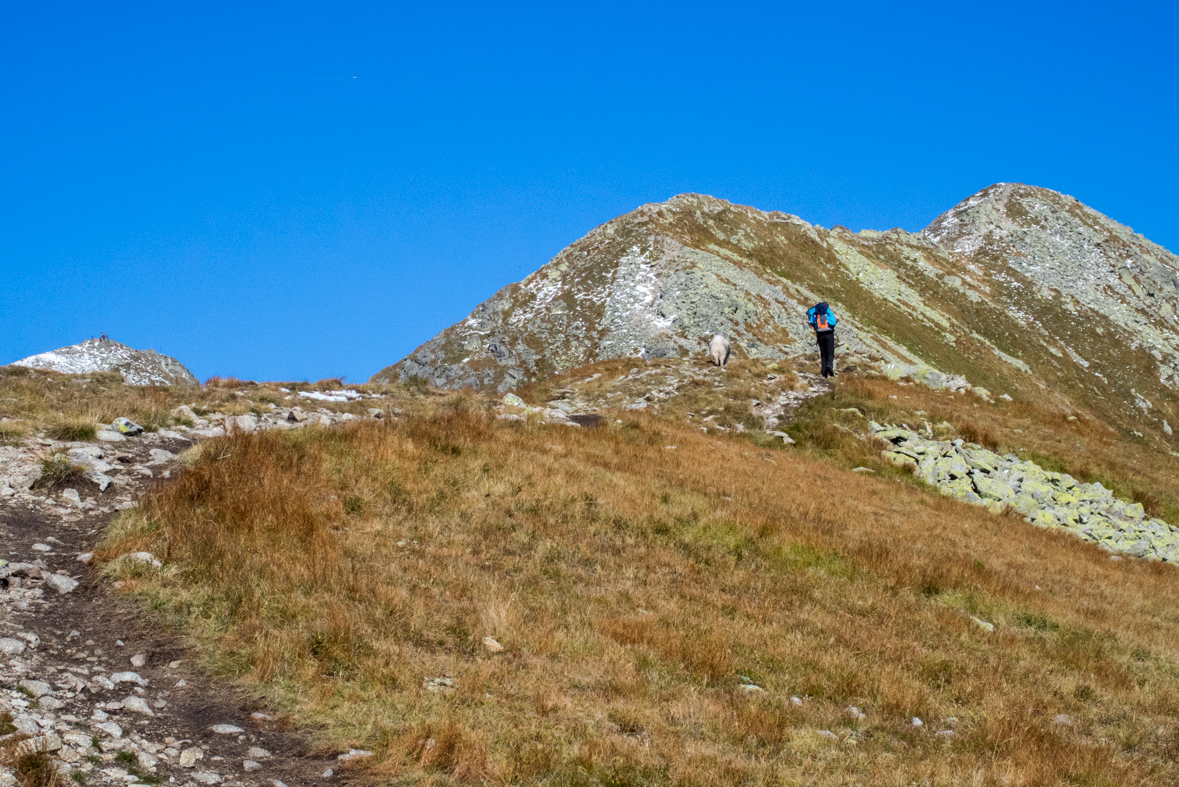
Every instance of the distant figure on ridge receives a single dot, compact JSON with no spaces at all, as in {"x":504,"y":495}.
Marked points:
{"x":823,"y":320}
{"x":720,"y":350}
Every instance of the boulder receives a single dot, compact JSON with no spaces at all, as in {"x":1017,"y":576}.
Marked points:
{"x":126,"y":426}
{"x":62,"y":584}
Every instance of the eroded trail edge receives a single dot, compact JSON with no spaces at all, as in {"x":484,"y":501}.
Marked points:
{"x":87,"y":677}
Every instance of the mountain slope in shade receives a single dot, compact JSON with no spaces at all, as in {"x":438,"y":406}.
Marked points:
{"x":1019,"y":290}
{"x":138,"y":367}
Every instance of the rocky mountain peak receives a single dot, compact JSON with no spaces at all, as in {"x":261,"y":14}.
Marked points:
{"x":1018,"y":290}
{"x":138,"y":367}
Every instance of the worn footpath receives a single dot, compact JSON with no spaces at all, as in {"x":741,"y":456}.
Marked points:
{"x":85,"y":676}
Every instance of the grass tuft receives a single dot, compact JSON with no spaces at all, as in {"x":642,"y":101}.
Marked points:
{"x":70,"y":431}
{"x":30,"y":763}
{"x":58,"y":471}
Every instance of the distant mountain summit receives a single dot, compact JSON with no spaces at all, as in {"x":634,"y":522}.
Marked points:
{"x":138,"y":367}
{"x":1018,"y":290}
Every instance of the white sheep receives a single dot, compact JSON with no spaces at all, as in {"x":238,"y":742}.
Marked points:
{"x":720,"y":350}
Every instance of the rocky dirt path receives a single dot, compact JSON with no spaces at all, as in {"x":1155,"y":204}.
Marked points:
{"x":111,"y":694}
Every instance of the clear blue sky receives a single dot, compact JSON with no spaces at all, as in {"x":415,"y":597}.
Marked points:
{"x":297,"y":191}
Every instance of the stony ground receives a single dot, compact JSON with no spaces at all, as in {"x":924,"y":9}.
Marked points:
{"x":115,"y":697}
{"x":648,"y":387}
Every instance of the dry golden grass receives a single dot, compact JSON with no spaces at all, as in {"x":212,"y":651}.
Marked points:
{"x":30,"y":764}
{"x":637,"y":588}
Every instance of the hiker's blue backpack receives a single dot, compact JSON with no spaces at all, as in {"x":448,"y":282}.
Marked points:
{"x":822,"y":318}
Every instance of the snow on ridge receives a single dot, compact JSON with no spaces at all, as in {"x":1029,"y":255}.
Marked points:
{"x":138,"y":367}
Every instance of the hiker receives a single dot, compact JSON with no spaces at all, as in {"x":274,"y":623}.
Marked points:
{"x":823,"y":320}
{"x":720,"y":350}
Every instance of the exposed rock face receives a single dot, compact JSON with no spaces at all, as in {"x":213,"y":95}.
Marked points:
{"x":138,"y":367}
{"x":1020,"y":290}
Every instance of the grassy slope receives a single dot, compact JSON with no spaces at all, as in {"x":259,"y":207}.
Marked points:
{"x":632,"y":586}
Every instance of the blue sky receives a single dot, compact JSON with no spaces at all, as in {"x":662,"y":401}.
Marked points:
{"x":296,"y":191}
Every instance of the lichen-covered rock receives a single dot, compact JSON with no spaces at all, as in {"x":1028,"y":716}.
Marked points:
{"x":975,"y":475}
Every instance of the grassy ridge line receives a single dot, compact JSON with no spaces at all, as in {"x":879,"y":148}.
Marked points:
{"x":632,"y":586}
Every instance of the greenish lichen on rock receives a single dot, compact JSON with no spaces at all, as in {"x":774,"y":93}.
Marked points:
{"x":972,"y":474}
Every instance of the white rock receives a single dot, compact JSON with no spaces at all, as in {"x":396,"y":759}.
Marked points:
{"x":11,"y":647}
{"x":138,"y":705}
{"x":107,"y":436}
{"x":51,"y":703}
{"x":354,"y":754}
{"x":26,"y":724}
{"x":70,"y":496}
{"x":110,"y":728}
{"x":492,"y":646}
{"x":78,"y":740}
{"x":139,"y":660}
{"x":917,"y":722}
{"x":85,"y":557}
{"x":62,"y":584}
{"x":36,"y":688}
{"x":188,"y":757}
{"x":46,"y":547}
{"x":48,"y":742}
{"x":258,"y":753}
{"x":128,"y":677}
{"x":159,"y":456}
{"x":226,"y":729}
{"x":206,"y":777}
{"x":246,"y":423}
{"x":30,"y":638}
{"x":102,"y":682}
{"x":141,"y":557}
{"x":250,"y":765}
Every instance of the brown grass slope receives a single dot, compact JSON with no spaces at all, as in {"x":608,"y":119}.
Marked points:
{"x":638,"y":590}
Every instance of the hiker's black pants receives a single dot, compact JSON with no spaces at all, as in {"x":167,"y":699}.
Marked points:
{"x":826,"y":341}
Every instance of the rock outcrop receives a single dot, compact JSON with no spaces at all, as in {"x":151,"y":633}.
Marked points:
{"x":138,"y":367}
{"x":972,"y":474}
{"x":1018,"y":290}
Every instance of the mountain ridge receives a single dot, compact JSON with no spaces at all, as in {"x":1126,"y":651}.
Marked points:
{"x":138,"y":367}
{"x":1016,"y":290}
